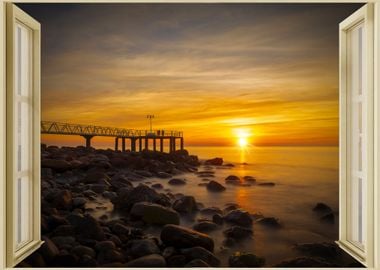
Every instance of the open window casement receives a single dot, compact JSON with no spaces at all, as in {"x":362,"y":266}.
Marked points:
{"x":356,"y":135}
{"x":23,"y":138}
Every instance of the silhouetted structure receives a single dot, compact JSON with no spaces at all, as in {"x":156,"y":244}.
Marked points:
{"x":136,"y":137}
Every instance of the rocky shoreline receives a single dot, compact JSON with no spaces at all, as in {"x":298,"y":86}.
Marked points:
{"x":79,"y":183}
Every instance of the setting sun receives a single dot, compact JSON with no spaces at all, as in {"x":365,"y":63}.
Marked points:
{"x":243,"y":142}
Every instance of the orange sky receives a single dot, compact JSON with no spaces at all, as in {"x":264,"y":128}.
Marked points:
{"x":211,"y":71}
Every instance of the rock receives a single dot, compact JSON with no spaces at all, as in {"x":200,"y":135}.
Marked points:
{"x":322,"y":250}
{"x":322,"y":207}
{"x":119,"y":181}
{"x":176,"y":261}
{"x":157,"y":186}
{"x":63,"y":230}
{"x":202,"y":254}
{"x":154,"y":213}
{"x":83,"y":250}
{"x":79,"y":202}
{"x":181,"y":237}
{"x":238,"y":232}
{"x":120,"y":229}
{"x":144,"y":173}
{"x":267,"y":184}
{"x":87,"y":261}
{"x":138,"y":248}
{"x":229,"y":165}
{"x":211,"y":211}
{"x":48,"y":250}
{"x":57,"y":165}
{"x":250,"y":179}
{"x":305,"y":262}
{"x":177,"y":182}
{"x":197,"y":263}
{"x":229,"y":208}
{"x":205,"y":226}
{"x":269,"y":222}
{"x":96,"y":177}
{"x":215,"y":162}
{"x":239,"y":217}
{"x":163,"y":175}
{"x":186,"y":204}
{"x":104,"y":245}
{"x":86,"y":226}
{"x":109,"y":195}
{"x":229,"y":242}
{"x":217,"y":219}
{"x":153,"y":260}
{"x":109,"y":256}
{"x":215,"y":186}
{"x":169,"y":251}
{"x":328,"y":218}
{"x":240,"y":259}
{"x":65,"y":259}
{"x":233,"y":178}
{"x":60,"y":241}
{"x":62,"y":200}
{"x":141,"y":193}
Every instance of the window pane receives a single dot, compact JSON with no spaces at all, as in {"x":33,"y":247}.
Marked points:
{"x":23,"y":209}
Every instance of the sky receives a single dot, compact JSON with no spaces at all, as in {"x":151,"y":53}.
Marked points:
{"x":267,"y":73}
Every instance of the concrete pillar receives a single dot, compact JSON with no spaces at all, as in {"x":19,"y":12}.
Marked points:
{"x":140,"y":144}
{"x":146,"y":143}
{"x":116,"y":143}
{"x":88,"y":140}
{"x":154,"y":144}
{"x":161,"y":145}
{"x":123,"y":144}
{"x":133,"y":144}
{"x":181,"y":143}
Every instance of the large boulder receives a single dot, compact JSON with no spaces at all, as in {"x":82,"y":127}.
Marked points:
{"x":181,"y":237}
{"x":239,"y":259}
{"x":202,"y":254}
{"x":56,"y":164}
{"x":154,"y":213}
{"x":215,"y":161}
{"x":48,"y":250}
{"x":153,"y":260}
{"x":185,"y":204}
{"x":205,"y":226}
{"x":215,"y":186}
{"x":141,"y":193}
{"x":239,"y":217}
{"x":86,"y":226}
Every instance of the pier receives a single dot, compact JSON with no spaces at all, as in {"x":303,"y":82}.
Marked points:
{"x":138,"y":140}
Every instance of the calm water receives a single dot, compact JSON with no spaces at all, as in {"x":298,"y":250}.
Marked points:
{"x":303,"y":177}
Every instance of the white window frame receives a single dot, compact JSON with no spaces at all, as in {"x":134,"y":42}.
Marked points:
{"x":372,"y":263}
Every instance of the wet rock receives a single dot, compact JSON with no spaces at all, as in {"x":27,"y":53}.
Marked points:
{"x":119,"y":181}
{"x":229,"y":208}
{"x":239,"y":217}
{"x":229,"y":242}
{"x":60,"y":241}
{"x":109,"y":195}
{"x":232,"y":179}
{"x":163,"y":175}
{"x":322,"y":208}
{"x":63,"y":230}
{"x":141,"y":193}
{"x":202,"y":184}
{"x":55,"y":164}
{"x":157,"y":186}
{"x":197,"y":263}
{"x":305,"y":262}
{"x":267,"y":184}
{"x":322,"y":250}
{"x":328,"y":218}
{"x":185,"y":204}
{"x":217,"y":219}
{"x":176,"y":260}
{"x":211,"y":211}
{"x":86,"y":226}
{"x":62,"y":200}
{"x":205,"y":226}
{"x":215,"y":161}
{"x":144,"y":173}
{"x":202,"y":254}
{"x":109,"y":256}
{"x":83,"y":250}
{"x":269,"y":222}
{"x":48,"y":250}
{"x":104,"y":245}
{"x":120,"y":229}
{"x":153,"y":260}
{"x":250,"y":179}
{"x":87,"y":261}
{"x":241,"y":259}
{"x":177,"y":182}
{"x":181,"y":237}
{"x":98,"y":188}
{"x":238,"y":232}
{"x":96,"y":177}
{"x":138,"y":248}
{"x":215,"y":186}
{"x":79,"y":202}
{"x":154,"y":213}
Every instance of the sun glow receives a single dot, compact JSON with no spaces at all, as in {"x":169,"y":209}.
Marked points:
{"x":243,"y":142}
{"x":243,"y":137}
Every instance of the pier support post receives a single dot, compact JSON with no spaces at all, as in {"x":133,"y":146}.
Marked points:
{"x":174,"y":144}
{"x":146,"y":143}
{"x":133,"y":144}
{"x":116,"y":143}
{"x":140,"y":144}
{"x":181,"y":143}
{"x":123,"y":144}
{"x":154,"y":144}
{"x":161,"y":145}
{"x":88,"y":140}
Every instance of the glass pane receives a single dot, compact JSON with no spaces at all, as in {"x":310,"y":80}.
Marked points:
{"x":23,"y":57}
{"x":357,"y":137}
{"x":23,"y":210}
